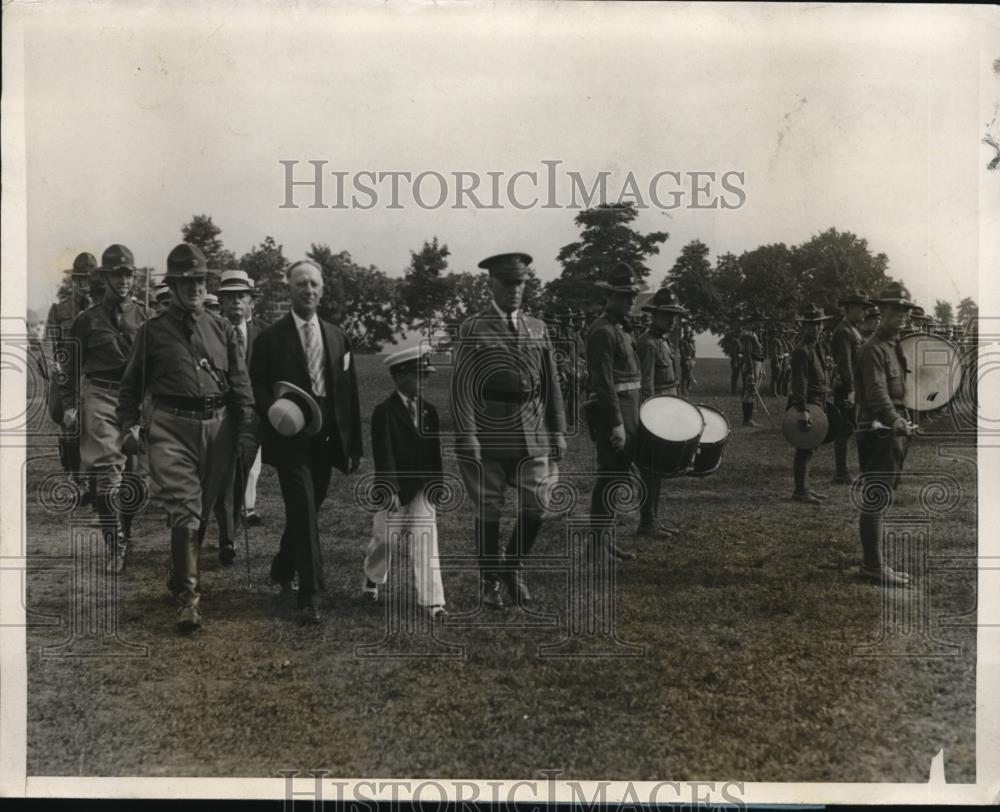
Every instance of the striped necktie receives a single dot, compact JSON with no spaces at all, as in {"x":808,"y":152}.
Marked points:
{"x":314,"y":359}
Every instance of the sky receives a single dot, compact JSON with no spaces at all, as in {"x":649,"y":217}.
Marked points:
{"x":866,"y":119}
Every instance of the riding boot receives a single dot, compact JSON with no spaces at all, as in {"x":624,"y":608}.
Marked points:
{"x":840,"y":459}
{"x":490,"y":563}
{"x":522,"y":539}
{"x":114,"y":540}
{"x":870,"y":528}
{"x":184,"y":549}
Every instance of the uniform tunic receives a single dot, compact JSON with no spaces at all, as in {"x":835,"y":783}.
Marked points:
{"x":192,"y":366}
{"x":657,"y":364}
{"x":506,"y":395}
{"x":104,"y":335}
{"x":880,"y":385}
{"x":752,"y":353}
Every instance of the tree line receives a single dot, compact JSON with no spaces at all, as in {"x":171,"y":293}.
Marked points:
{"x":376,"y":309}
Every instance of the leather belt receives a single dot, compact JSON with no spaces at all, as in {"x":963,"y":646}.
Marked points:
{"x":628,"y":386}
{"x":101,"y":383}
{"x":201,"y":405}
{"x":189,"y":413}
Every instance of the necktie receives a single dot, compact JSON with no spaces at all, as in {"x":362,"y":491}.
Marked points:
{"x":511,"y":324}
{"x":411,"y":407}
{"x":314,"y":359}
{"x":241,"y":342}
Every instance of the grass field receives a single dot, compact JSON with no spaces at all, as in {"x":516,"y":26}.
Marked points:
{"x":749,"y":619}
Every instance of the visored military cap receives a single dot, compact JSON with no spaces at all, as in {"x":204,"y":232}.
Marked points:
{"x":83,"y":265}
{"x":412,"y":359}
{"x":117,"y":257}
{"x":186,"y":261}
{"x":512,"y":266}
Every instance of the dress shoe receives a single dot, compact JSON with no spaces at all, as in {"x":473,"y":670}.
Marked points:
{"x":807,"y":498}
{"x":309,"y":615}
{"x":286,"y":587}
{"x":437,"y":613}
{"x":820,"y":496}
{"x":751,"y":425}
{"x":650,"y":532}
{"x":514,"y":581}
{"x":253,"y":519}
{"x":491,"y":594}
{"x":620,"y":553}
{"x":369,"y":590}
{"x":884,"y":576}
{"x":188,"y":619}
{"x":227,"y":554}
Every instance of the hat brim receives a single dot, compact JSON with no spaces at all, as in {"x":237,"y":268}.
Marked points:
{"x":314,"y":417}
{"x":904,"y":303}
{"x":234,"y":290}
{"x":638,"y":288}
{"x":859,"y":302}
{"x":675,"y":310}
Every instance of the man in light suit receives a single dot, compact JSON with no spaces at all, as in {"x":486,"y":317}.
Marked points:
{"x":509,"y":416}
{"x":234,"y":292}
{"x":315,"y":356}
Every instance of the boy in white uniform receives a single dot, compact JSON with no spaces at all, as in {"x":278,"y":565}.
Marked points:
{"x":406,"y":450}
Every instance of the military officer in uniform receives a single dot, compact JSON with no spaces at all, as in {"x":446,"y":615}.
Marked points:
{"x":731,"y":349}
{"x":687,"y":356}
{"x":880,"y":387}
{"x":190,"y":363}
{"x":870,"y":324}
{"x":61,"y":316}
{"x":162,"y":298}
{"x":808,"y":385}
{"x":752,"y":353}
{"x":104,"y":335}
{"x":658,"y":368}
{"x":510,"y":421}
{"x":616,"y":384}
{"x":845,"y":344}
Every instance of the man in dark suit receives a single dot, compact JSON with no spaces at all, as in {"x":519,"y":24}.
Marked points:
{"x":406,"y":449}
{"x":315,"y":356}
{"x":234,"y":293}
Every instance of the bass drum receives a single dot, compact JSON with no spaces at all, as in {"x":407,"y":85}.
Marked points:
{"x":670,"y":429}
{"x":935,"y":368}
{"x":713,"y":441}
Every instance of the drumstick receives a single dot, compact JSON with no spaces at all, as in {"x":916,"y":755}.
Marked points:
{"x":882,"y":428}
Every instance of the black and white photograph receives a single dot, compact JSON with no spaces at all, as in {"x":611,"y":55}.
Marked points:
{"x":580,"y":402}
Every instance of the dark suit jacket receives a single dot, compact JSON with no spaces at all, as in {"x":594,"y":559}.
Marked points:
{"x":405,"y":459}
{"x":278,"y":356}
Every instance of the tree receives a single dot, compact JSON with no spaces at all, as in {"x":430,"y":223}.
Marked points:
{"x":692,"y":279}
{"x":201,"y":231}
{"x":366,"y":303}
{"x":968,"y":310}
{"x":769,"y":284}
{"x":425,"y":287}
{"x":833,"y":263}
{"x":266,"y":265}
{"x":943,"y":311}
{"x":605,"y":240}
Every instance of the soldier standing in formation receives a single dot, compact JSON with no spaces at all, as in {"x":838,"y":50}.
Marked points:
{"x":616,"y":384}
{"x":688,"y":351}
{"x":731,"y":348}
{"x":509,"y":416}
{"x":752,"y":353}
{"x":190,"y":363}
{"x":60,"y":320}
{"x":808,"y":386}
{"x":104,"y":335}
{"x":658,"y":368}
{"x":845,"y":346}
{"x":880,"y":386}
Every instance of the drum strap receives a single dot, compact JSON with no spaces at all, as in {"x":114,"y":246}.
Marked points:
{"x":626,"y":387}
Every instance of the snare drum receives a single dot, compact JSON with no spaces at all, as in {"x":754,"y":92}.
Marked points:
{"x":713,"y":441}
{"x":669,"y":431}
{"x":935,"y":371}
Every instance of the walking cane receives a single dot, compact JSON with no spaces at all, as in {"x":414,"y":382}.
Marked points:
{"x":243,"y":516}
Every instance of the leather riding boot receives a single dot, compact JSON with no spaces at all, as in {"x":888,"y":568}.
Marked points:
{"x":522,"y":539}
{"x":114,"y":539}
{"x":184,"y":549}
{"x":490,"y":562}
